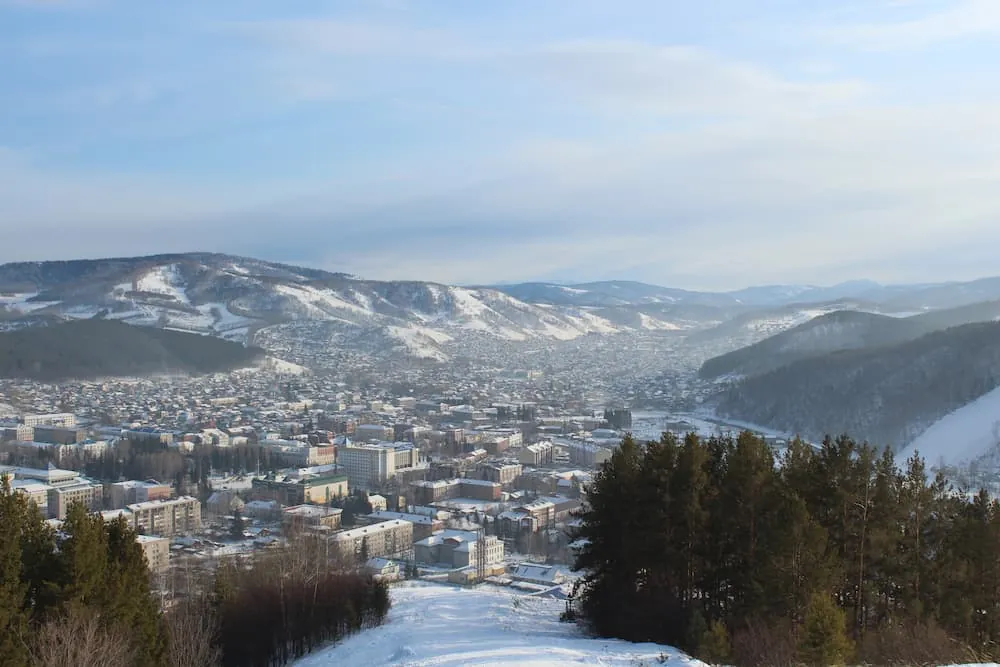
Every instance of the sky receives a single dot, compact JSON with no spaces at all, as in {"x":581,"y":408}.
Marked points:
{"x":704,"y":145}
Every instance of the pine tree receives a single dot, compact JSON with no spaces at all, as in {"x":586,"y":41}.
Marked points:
{"x":823,"y":640}
{"x":236,"y":527}
{"x":14,"y":618}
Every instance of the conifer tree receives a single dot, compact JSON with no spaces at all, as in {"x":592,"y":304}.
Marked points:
{"x":823,"y":639}
{"x":14,"y":618}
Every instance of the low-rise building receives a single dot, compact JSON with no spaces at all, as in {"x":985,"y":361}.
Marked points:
{"x":133,"y":491}
{"x":61,"y":497}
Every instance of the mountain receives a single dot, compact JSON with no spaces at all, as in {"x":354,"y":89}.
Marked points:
{"x":966,"y":435}
{"x":446,"y":626}
{"x":888,"y":395}
{"x":236,"y":298}
{"x":90,"y":349}
{"x":610,"y":293}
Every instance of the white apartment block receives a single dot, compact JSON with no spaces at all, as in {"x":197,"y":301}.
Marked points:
{"x":388,"y":539}
{"x":60,"y":419}
{"x":369,"y":466}
{"x":167,"y":517}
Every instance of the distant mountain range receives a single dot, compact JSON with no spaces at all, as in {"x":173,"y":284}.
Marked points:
{"x":88,"y":349}
{"x":247,"y":300}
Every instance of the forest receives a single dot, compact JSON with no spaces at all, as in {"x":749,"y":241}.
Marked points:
{"x":817,"y":556}
{"x":81,"y":596}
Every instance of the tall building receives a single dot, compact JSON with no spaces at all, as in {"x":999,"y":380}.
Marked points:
{"x":132,"y":491}
{"x":369,"y":466}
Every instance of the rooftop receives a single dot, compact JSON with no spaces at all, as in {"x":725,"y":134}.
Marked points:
{"x":373,"y":529}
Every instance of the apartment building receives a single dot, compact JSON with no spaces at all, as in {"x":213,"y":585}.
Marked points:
{"x":81,"y":491}
{"x":301,"y":489}
{"x":132,"y":491}
{"x":167,"y":518}
{"x":503,"y":474}
{"x":457,"y":548}
{"x":58,"y":419}
{"x":388,"y":539}
{"x":423,"y":525}
{"x":369,"y":466}
{"x":428,"y":492}
{"x":538,"y":454}
{"x":310,"y":517}
{"x":157,"y":552}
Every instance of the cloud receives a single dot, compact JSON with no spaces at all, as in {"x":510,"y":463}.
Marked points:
{"x":959,"y":19}
{"x":635,"y":76}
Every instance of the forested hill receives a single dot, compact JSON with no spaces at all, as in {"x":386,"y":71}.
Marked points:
{"x":887,"y":395}
{"x":833,"y":332}
{"x":87,"y":349}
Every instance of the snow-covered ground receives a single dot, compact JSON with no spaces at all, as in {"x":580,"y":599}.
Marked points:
{"x":961,"y":436}
{"x":440,"y":625}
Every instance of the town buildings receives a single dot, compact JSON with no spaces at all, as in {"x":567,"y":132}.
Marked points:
{"x":300,"y":488}
{"x":458,"y":549}
{"x":369,"y":466}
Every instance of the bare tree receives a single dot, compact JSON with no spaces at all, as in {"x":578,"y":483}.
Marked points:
{"x":192,"y":629}
{"x":79,"y":639}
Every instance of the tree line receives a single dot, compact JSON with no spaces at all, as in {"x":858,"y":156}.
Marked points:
{"x":817,"y":556}
{"x":81,"y":596}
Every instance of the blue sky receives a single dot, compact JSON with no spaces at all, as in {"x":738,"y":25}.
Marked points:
{"x":701,"y":145}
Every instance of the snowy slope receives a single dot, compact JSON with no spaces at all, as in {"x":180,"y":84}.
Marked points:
{"x":964,"y":435}
{"x":446,"y":626}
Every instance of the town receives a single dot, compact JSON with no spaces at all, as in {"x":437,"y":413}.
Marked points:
{"x":453,"y":487}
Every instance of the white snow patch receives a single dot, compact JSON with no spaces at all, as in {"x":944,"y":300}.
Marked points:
{"x":573,"y":290}
{"x":164,"y":280}
{"x":319,"y":303}
{"x":466,"y":302}
{"x":447,"y":626}
{"x":653,"y":324}
{"x":420,"y":341}
{"x":961,"y":436}
{"x":19,"y":301}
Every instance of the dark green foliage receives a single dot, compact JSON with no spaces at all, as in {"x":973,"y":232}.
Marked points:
{"x":100,"y":348}
{"x":887,"y":394}
{"x":689,"y":543}
{"x":93,"y":570}
{"x":236,"y":527}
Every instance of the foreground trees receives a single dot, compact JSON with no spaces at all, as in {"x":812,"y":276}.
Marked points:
{"x":819,"y":556}
{"x":82,"y":597}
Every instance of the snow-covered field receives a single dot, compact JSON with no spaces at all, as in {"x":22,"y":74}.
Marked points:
{"x":439,"y":625}
{"x":962,"y":436}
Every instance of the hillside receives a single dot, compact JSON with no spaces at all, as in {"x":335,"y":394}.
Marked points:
{"x":832,"y":332}
{"x":962,"y":436}
{"x":888,"y":395}
{"x":95,"y":348}
{"x":444,"y":625}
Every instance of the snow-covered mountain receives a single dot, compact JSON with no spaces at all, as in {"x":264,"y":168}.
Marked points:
{"x":234,"y":297}
{"x":449,"y":626}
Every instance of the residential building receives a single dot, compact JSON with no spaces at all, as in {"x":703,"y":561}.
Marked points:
{"x":503,"y":474}
{"x":423,"y":525}
{"x":133,"y":491}
{"x":177,"y":516}
{"x":537,"y":454}
{"x":542,"y":575}
{"x":428,"y":492}
{"x":366,"y":432}
{"x":157,"y":552}
{"x":389,"y":539}
{"x":301,"y":488}
{"x":457,"y":548}
{"x":299,"y":454}
{"x":61,"y":497}
{"x":305,"y":517}
{"x":58,"y":435}
{"x":383,"y":569}
{"x":371,"y":465}
{"x":36,"y":492}
{"x":59,"y":419}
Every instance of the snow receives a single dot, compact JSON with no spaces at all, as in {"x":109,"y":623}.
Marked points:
{"x":442,"y":625}
{"x":320,"y":300}
{"x":165,"y":280}
{"x":466,"y":302}
{"x":19,"y":301}
{"x":573,"y":290}
{"x":647,"y":322}
{"x":420,"y":341}
{"x":961,"y":436}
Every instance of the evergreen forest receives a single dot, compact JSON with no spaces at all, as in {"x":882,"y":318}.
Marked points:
{"x":817,"y":556}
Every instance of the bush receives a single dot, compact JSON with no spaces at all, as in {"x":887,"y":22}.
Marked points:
{"x":912,"y":644}
{"x":762,"y":644}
